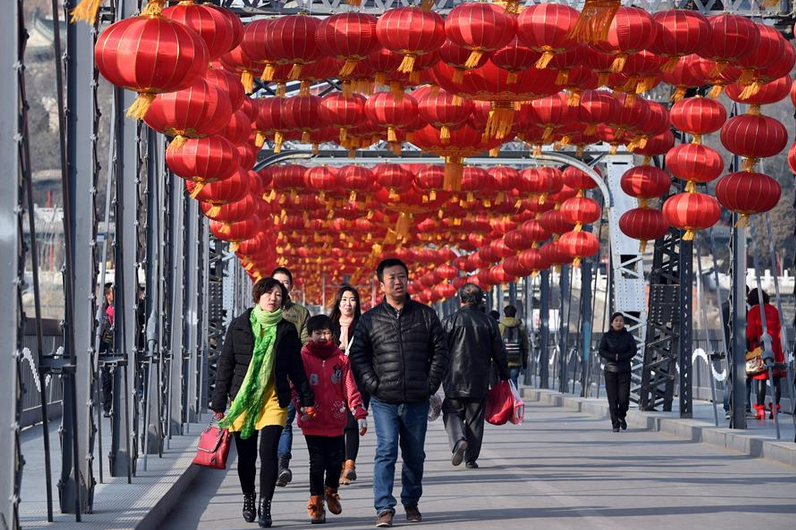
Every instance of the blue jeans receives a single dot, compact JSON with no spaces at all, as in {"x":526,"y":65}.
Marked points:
{"x":401,"y":425}
{"x":514,"y":374}
{"x":286,"y":438}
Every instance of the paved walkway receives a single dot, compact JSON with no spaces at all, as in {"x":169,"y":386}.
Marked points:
{"x":559,"y":470}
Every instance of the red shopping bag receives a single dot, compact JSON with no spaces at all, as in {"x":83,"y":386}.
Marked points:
{"x":213,"y":448}
{"x":500,"y":403}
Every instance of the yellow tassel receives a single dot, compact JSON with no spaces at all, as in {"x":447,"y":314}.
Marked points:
{"x":259,"y":139}
{"x":414,"y":78}
{"x":748,"y":164}
{"x":348,"y":67}
{"x":397,"y":90}
{"x":410,"y":136}
{"x":573,"y":99}
{"x":458,"y":75}
{"x":494,"y":152}
{"x":474,"y":58}
{"x":579,"y":152}
{"x":445,"y":134}
{"x":537,"y":150}
{"x":355,"y":3}
{"x":457,"y":101}
{"x":513,"y":77}
{"x":279,"y":138}
{"x":295,"y":72}
{"x":391,"y":137}
{"x":643,"y":204}
{"x":453,"y":173}
{"x":619,"y":63}
{"x":679,"y":93}
{"x":197,"y":190}
{"x":647,"y":160}
{"x":343,"y":134}
{"x":396,"y":148}
{"x":140,"y":106}
{"x":548,"y":134}
{"x":304,"y":88}
{"x":750,"y":90}
{"x":718,"y":69}
{"x":642,"y":247}
{"x":214,"y":211}
{"x":547,"y":56}
{"x":743,"y":221}
{"x":630,"y":100}
{"x":86,"y":10}
{"x":432,"y":196}
{"x":613,"y":149}
{"x":690,"y":187}
{"x":247,"y":80}
{"x":670,"y":64}
{"x":408,"y":64}
{"x":563,"y":77}
{"x":178,"y":143}
{"x":500,"y":122}
{"x":590,"y":129}
{"x":281,"y":90}
{"x":305,"y":137}
{"x":689,"y":235}
{"x":426,"y":5}
{"x":348,"y":89}
{"x":715,"y":91}
{"x":594,"y":20}
{"x":403,"y":225}
{"x":154,"y":8}
{"x":268,"y":72}
{"x":381,"y":78}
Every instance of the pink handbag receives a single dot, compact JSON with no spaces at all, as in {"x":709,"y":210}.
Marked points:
{"x":213,"y":448}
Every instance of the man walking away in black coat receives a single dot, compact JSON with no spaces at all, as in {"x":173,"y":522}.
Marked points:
{"x":399,"y":356}
{"x":473,"y":343}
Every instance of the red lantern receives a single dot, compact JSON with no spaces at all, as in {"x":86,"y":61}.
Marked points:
{"x":355,"y":179}
{"x":632,"y":30}
{"x":515,"y":57}
{"x":578,"y":179}
{"x":320,"y":179}
{"x":393,"y":177}
{"x":382,"y":109}
{"x":442,"y":111}
{"x":176,"y":57}
{"x":555,"y":222}
{"x":229,"y":84}
{"x":231,"y":189}
{"x":732,"y":37}
{"x":531,"y":259}
{"x":645,"y":182}
{"x":238,"y":129}
{"x":238,"y":61}
{"x":534,"y":231}
{"x":343,"y":112}
{"x":764,"y":94}
{"x":456,"y":57}
{"x":291,"y":38}
{"x":220,"y":29}
{"x":644,"y":224}
{"x":769,"y":50}
{"x":303,"y":114}
{"x":698,"y":116}
{"x":235,"y":232}
{"x":748,"y":193}
{"x":681,"y":32}
{"x":753,"y":137}
{"x":232,"y":212}
{"x":551,"y":113}
{"x":792,"y":158}
{"x":205,"y":160}
{"x":581,"y":211}
{"x":578,"y":245}
{"x":691,"y":212}
{"x":694,"y":162}
{"x":411,"y":32}
{"x":350,"y":37}
{"x":547,"y":28}
{"x":596,"y":107}
{"x":480,"y":28}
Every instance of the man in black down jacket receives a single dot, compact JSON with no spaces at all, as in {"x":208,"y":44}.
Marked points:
{"x":399,"y":356}
{"x":617,"y":348}
{"x":474,"y":342}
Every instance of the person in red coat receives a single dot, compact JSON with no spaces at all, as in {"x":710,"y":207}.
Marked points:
{"x":335,"y":390}
{"x":754,"y":332}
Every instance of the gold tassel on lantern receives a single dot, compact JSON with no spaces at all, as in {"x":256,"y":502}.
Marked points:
{"x":500,"y":121}
{"x":642,"y":247}
{"x":380,"y":78}
{"x":474,"y":58}
{"x":234,"y":246}
{"x":753,"y":110}
{"x":590,"y":129}
{"x":718,"y":68}
{"x":619,"y":63}
{"x":408,"y":64}
{"x":305,"y":137}
{"x":643,"y":203}
{"x":457,"y":101}
{"x":537,"y":150}
{"x":458,"y":75}
{"x":427,"y":5}
{"x":87,"y":11}
{"x":679,"y":93}
{"x":715,"y":91}
{"x":513,"y":77}
{"x":603,"y":78}
{"x":197,"y":189}
{"x":279,"y":138}
{"x":563,"y":77}
{"x":573,"y":98}
{"x":259,"y":139}
{"x":348,"y":67}
{"x":494,"y":152}
{"x":140,"y":106}
{"x":453,"y":173}
{"x":295,"y":72}
{"x":397,"y":90}
{"x":247,"y":80}
{"x":595,"y":20}
{"x":445,"y":134}
{"x":414,"y":77}
{"x":547,"y":56}
{"x":268,"y":72}
{"x":748,"y":164}
{"x":281,"y":90}
{"x":403,"y":225}
{"x":750,"y":90}
{"x":743,"y":221}
{"x":154,"y":8}
{"x":689,"y":235}
{"x":304,"y":88}
{"x":396,"y":148}
{"x":391,"y":136}
{"x":670,"y":64}
{"x":548,"y":134}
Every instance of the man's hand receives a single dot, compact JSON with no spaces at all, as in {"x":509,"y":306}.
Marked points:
{"x":363,"y":426}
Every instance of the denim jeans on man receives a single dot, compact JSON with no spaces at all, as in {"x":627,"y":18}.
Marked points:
{"x":397,"y":425}
{"x":286,"y":439}
{"x":514,"y":375}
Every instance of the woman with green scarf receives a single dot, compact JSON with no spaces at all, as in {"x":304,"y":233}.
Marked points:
{"x":261,"y":352}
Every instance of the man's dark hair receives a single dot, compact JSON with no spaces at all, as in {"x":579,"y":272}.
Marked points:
{"x":283,"y":270}
{"x":265,"y":285}
{"x":471,"y":294}
{"x":510,"y":311}
{"x":387,"y":263}
{"x":495,"y":315}
{"x":318,"y":322}
{"x":753,"y":298}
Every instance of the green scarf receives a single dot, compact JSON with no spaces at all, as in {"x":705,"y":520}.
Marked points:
{"x":249,"y":400}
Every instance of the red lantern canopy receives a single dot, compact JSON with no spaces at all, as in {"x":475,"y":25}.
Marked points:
{"x":753,"y":137}
{"x":231,"y":189}
{"x":480,"y":28}
{"x":547,"y":28}
{"x":220,"y":29}
{"x":412,"y":32}
{"x":581,"y":211}
{"x":698,"y":116}
{"x":578,"y":179}
{"x":394,"y":178}
{"x":691,"y":212}
{"x":555,"y":222}
{"x":320,"y":179}
{"x":748,"y":193}
{"x":238,"y":61}
{"x":644,"y":224}
{"x":350,"y":37}
{"x":765,"y":94}
{"x":177,"y":57}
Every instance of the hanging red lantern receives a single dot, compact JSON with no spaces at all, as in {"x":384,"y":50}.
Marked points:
{"x":220,"y":31}
{"x":321,"y":179}
{"x":681,"y":32}
{"x":531,"y":259}
{"x":553,"y":254}
{"x":578,"y":245}
{"x":581,"y":211}
{"x":551,"y":113}
{"x":178,"y":56}
{"x":533,"y":230}
{"x":632,"y":30}
{"x":343,"y":112}
{"x":382,"y":109}
{"x":753,"y":137}
{"x":694,"y":163}
{"x":748,"y":193}
{"x":698,"y":116}
{"x":205,"y":160}
{"x":769,"y":50}
{"x":349,"y":37}
{"x":578,"y":179}
{"x":442,"y":111}
{"x":238,"y":128}
{"x":596,"y":107}
{"x":291,"y":38}
{"x":645,"y":182}
{"x":480,"y":28}
{"x":303,"y":114}
{"x":732,"y":37}
{"x":547,"y":28}
{"x":644,"y":224}
{"x":231,"y":189}
{"x":238,"y":62}
{"x":515,"y":57}
{"x":691,"y":212}
{"x":456,"y":57}
{"x":555,"y":222}
{"x":230,"y":213}
{"x":240,"y":231}
{"x":229,"y":84}
{"x":683,"y":75}
{"x":412,"y":32}
{"x":394,"y":178}
{"x":767,"y":93}
{"x":474,"y":180}
{"x":288,"y":179}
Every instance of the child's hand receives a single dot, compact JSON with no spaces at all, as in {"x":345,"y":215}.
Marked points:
{"x":363,"y":426}
{"x":309,"y":411}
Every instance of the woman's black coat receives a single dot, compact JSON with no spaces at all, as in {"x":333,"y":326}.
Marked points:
{"x":236,"y":355}
{"x":617,"y":348}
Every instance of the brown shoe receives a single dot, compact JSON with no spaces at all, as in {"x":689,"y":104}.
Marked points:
{"x":333,"y":501}
{"x":413,"y":513}
{"x":349,"y":473}
{"x":315,"y":509}
{"x":384,"y":519}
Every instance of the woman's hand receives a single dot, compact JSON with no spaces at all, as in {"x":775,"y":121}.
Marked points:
{"x":363,"y":426}
{"x":218,"y":415}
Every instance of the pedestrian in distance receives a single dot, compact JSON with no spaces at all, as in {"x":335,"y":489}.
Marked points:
{"x":261,"y":352}
{"x":107,"y":321}
{"x":336,"y":393}
{"x":474,"y":343}
{"x":754,"y":340}
{"x":399,"y":356}
{"x":515,"y":339}
{"x":345,"y":315}
{"x":298,"y":315}
{"x":617,"y":348}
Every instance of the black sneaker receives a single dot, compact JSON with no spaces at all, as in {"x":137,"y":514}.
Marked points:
{"x":623,"y":424}
{"x":472,"y":465}
{"x":616,"y":429}
{"x":249,"y":507}
{"x":458,"y":452}
{"x":413,"y":513}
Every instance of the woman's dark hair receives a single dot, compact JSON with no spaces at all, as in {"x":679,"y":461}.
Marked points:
{"x":335,"y":314}
{"x":265,"y":285}
{"x":318,"y":322}
{"x":753,"y":298}
{"x":617,"y":314}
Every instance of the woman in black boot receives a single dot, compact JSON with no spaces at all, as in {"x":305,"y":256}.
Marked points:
{"x":617,"y":348}
{"x":261,"y":351}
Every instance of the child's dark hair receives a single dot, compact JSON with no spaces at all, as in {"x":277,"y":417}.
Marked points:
{"x":318,"y":322}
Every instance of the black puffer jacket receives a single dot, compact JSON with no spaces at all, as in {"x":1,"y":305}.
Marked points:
{"x":617,"y":348}
{"x":236,"y":354}
{"x":399,"y":357}
{"x":473,"y":343}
